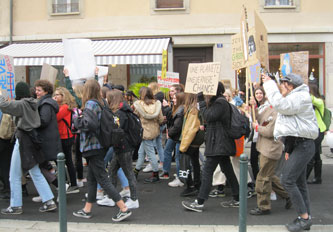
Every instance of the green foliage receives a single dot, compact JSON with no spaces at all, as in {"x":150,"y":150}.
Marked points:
{"x":137,"y":86}
{"x":145,"y":79}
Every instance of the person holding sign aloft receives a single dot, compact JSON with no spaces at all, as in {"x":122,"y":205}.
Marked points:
{"x":296,"y":123}
{"x":219,"y":147}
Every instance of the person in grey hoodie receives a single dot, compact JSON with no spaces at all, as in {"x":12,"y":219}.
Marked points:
{"x":27,"y":150}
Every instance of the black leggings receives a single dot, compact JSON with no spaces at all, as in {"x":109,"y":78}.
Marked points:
{"x":254,"y":160}
{"x":67,"y":149}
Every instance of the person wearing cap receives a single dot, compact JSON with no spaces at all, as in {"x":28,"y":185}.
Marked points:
{"x":296,"y":123}
{"x":27,"y":150}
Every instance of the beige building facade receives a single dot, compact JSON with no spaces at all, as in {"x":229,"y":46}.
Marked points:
{"x":199,"y":31}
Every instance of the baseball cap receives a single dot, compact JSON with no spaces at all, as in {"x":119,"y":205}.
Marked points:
{"x":292,"y":78}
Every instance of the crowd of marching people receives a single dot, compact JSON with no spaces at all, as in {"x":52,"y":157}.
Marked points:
{"x":284,"y":125}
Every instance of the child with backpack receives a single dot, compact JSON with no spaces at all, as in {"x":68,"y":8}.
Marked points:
{"x":66,"y":103}
{"x":123,"y":152}
{"x":94,"y":152}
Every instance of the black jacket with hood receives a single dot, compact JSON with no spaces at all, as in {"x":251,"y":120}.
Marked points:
{"x":176,"y":124}
{"x":48,"y":130}
{"x":217,"y":118}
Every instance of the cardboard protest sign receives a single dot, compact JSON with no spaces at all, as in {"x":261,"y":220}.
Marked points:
{"x":49,"y":73}
{"x":255,"y":72}
{"x":237,"y":52}
{"x":170,"y":79}
{"x":164,"y":63}
{"x":295,"y":62}
{"x":79,"y":59}
{"x":7,"y":76}
{"x":244,"y":37}
{"x":203,"y":77}
{"x":261,"y":41}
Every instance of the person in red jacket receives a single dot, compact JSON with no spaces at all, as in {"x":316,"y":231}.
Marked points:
{"x":66,"y":103}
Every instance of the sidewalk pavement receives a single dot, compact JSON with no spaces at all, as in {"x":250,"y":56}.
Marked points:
{"x":40,"y":226}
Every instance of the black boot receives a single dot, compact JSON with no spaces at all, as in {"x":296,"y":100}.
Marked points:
{"x":154,"y":178}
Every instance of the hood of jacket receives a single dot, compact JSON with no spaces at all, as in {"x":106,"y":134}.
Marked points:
{"x":148,"y":111}
{"x":47,"y":99}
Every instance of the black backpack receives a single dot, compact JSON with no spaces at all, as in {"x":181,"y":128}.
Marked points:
{"x":239,"y":125}
{"x":135,"y":129}
{"x":109,"y":133}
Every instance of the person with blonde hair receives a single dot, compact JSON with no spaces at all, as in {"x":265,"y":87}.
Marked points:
{"x":94,"y":152}
{"x":66,"y":104}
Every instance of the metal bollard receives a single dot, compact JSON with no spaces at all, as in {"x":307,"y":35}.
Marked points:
{"x":62,"y":193}
{"x":243,"y":192}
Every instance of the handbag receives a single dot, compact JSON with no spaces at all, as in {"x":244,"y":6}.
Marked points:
{"x":7,"y":127}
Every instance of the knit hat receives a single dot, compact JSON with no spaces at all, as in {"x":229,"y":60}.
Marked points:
{"x":22,"y":90}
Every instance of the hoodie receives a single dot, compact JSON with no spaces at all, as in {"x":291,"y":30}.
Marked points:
{"x":151,"y":117}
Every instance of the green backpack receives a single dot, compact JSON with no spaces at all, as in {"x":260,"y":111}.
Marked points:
{"x":326,"y":118}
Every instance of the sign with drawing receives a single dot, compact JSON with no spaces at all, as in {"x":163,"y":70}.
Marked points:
{"x":295,"y":62}
{"x":7,"y":76}
{"x":203,"y":77}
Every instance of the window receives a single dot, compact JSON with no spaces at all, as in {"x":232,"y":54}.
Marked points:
{"x":279,"y":3}
{"x":65,"y":6}
{"x":169,"y":4}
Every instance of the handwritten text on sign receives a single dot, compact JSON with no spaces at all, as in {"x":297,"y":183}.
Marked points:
{"x":170,"y":79}
{"x":203,"y":77}
{"x":7,"y":76}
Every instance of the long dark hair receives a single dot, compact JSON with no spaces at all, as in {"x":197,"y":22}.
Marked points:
{"x":146,"y":95}
{"x":180,"y":99}
{"x":314,"y":90}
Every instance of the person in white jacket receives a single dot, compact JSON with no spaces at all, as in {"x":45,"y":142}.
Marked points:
{"x":296,"y":123}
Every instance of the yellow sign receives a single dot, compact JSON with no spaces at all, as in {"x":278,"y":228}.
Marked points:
{"x":164,"y":63}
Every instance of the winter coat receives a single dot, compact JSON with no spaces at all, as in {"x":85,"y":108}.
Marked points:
{"x":48,"y":130}
{"x":123,"y":114}
{"x":151,"y":117}
{"x":27,"y":120}
{"x":191,"y":127}
{"x":217,"y":118}
{"x":319,"y":107}
{"x":89,"y":124}
{"x":176,"y":124}
{"x":296,"y":116}
{"x":266,"y":144}
{"x":64,"y":114}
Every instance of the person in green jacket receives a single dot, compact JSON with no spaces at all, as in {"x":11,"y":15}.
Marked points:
{"x":316,"y":162}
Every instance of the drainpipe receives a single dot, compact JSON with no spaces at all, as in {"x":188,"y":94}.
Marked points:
{"x":10,"y":21}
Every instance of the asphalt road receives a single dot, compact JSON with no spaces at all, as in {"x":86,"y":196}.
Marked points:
{"x":161,"y":204}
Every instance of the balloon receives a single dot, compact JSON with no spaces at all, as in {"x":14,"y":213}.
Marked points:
{"x":329,"y":139}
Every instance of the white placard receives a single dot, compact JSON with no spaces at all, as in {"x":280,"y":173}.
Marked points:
{"x":79,"y":59}
{"x":170,"y":79}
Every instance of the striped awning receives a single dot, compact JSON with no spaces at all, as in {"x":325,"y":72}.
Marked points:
{"x":120,"y":51}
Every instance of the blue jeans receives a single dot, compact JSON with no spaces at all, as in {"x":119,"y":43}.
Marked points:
{"x":15,"y":174}
{"x":147,"y":147}
{"x":169,"y":147}
{"x":158,"y":144}
{"x":120,"y":173}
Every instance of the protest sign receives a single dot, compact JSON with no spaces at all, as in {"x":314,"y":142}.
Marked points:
{"x":237,"y":52}
{"x":255,"y":72}
{"x":203,"y":77}
{"x":244,"y":37}
{"x":295,"y":62}
{"x":7,"y":76}
{"x":262,"y":41}
{"x":49,"y":73}
{"x":79,"y":59}
{"x":170,"y":79}
{"x":164,"y":63}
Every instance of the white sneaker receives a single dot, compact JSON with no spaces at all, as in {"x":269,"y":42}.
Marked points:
{"x":273,"y":196}
{"x":99,"y":195}
{"x":176,"y":182}
{"x":79,"y":183}
{"x":106,"y":201}
{"x":125,"y":193}
{"x":130,"y":204}
{"x":148,"y":168}
{"x":37,"y":199}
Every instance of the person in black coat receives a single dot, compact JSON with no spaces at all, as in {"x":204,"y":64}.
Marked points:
{"x":219,"y":147}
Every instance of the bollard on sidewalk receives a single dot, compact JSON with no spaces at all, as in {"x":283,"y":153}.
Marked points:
{"x":62,"y":193}
{"x":243,"y":192}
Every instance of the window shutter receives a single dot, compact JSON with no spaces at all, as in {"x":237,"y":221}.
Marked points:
{"x":169,"y":3}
